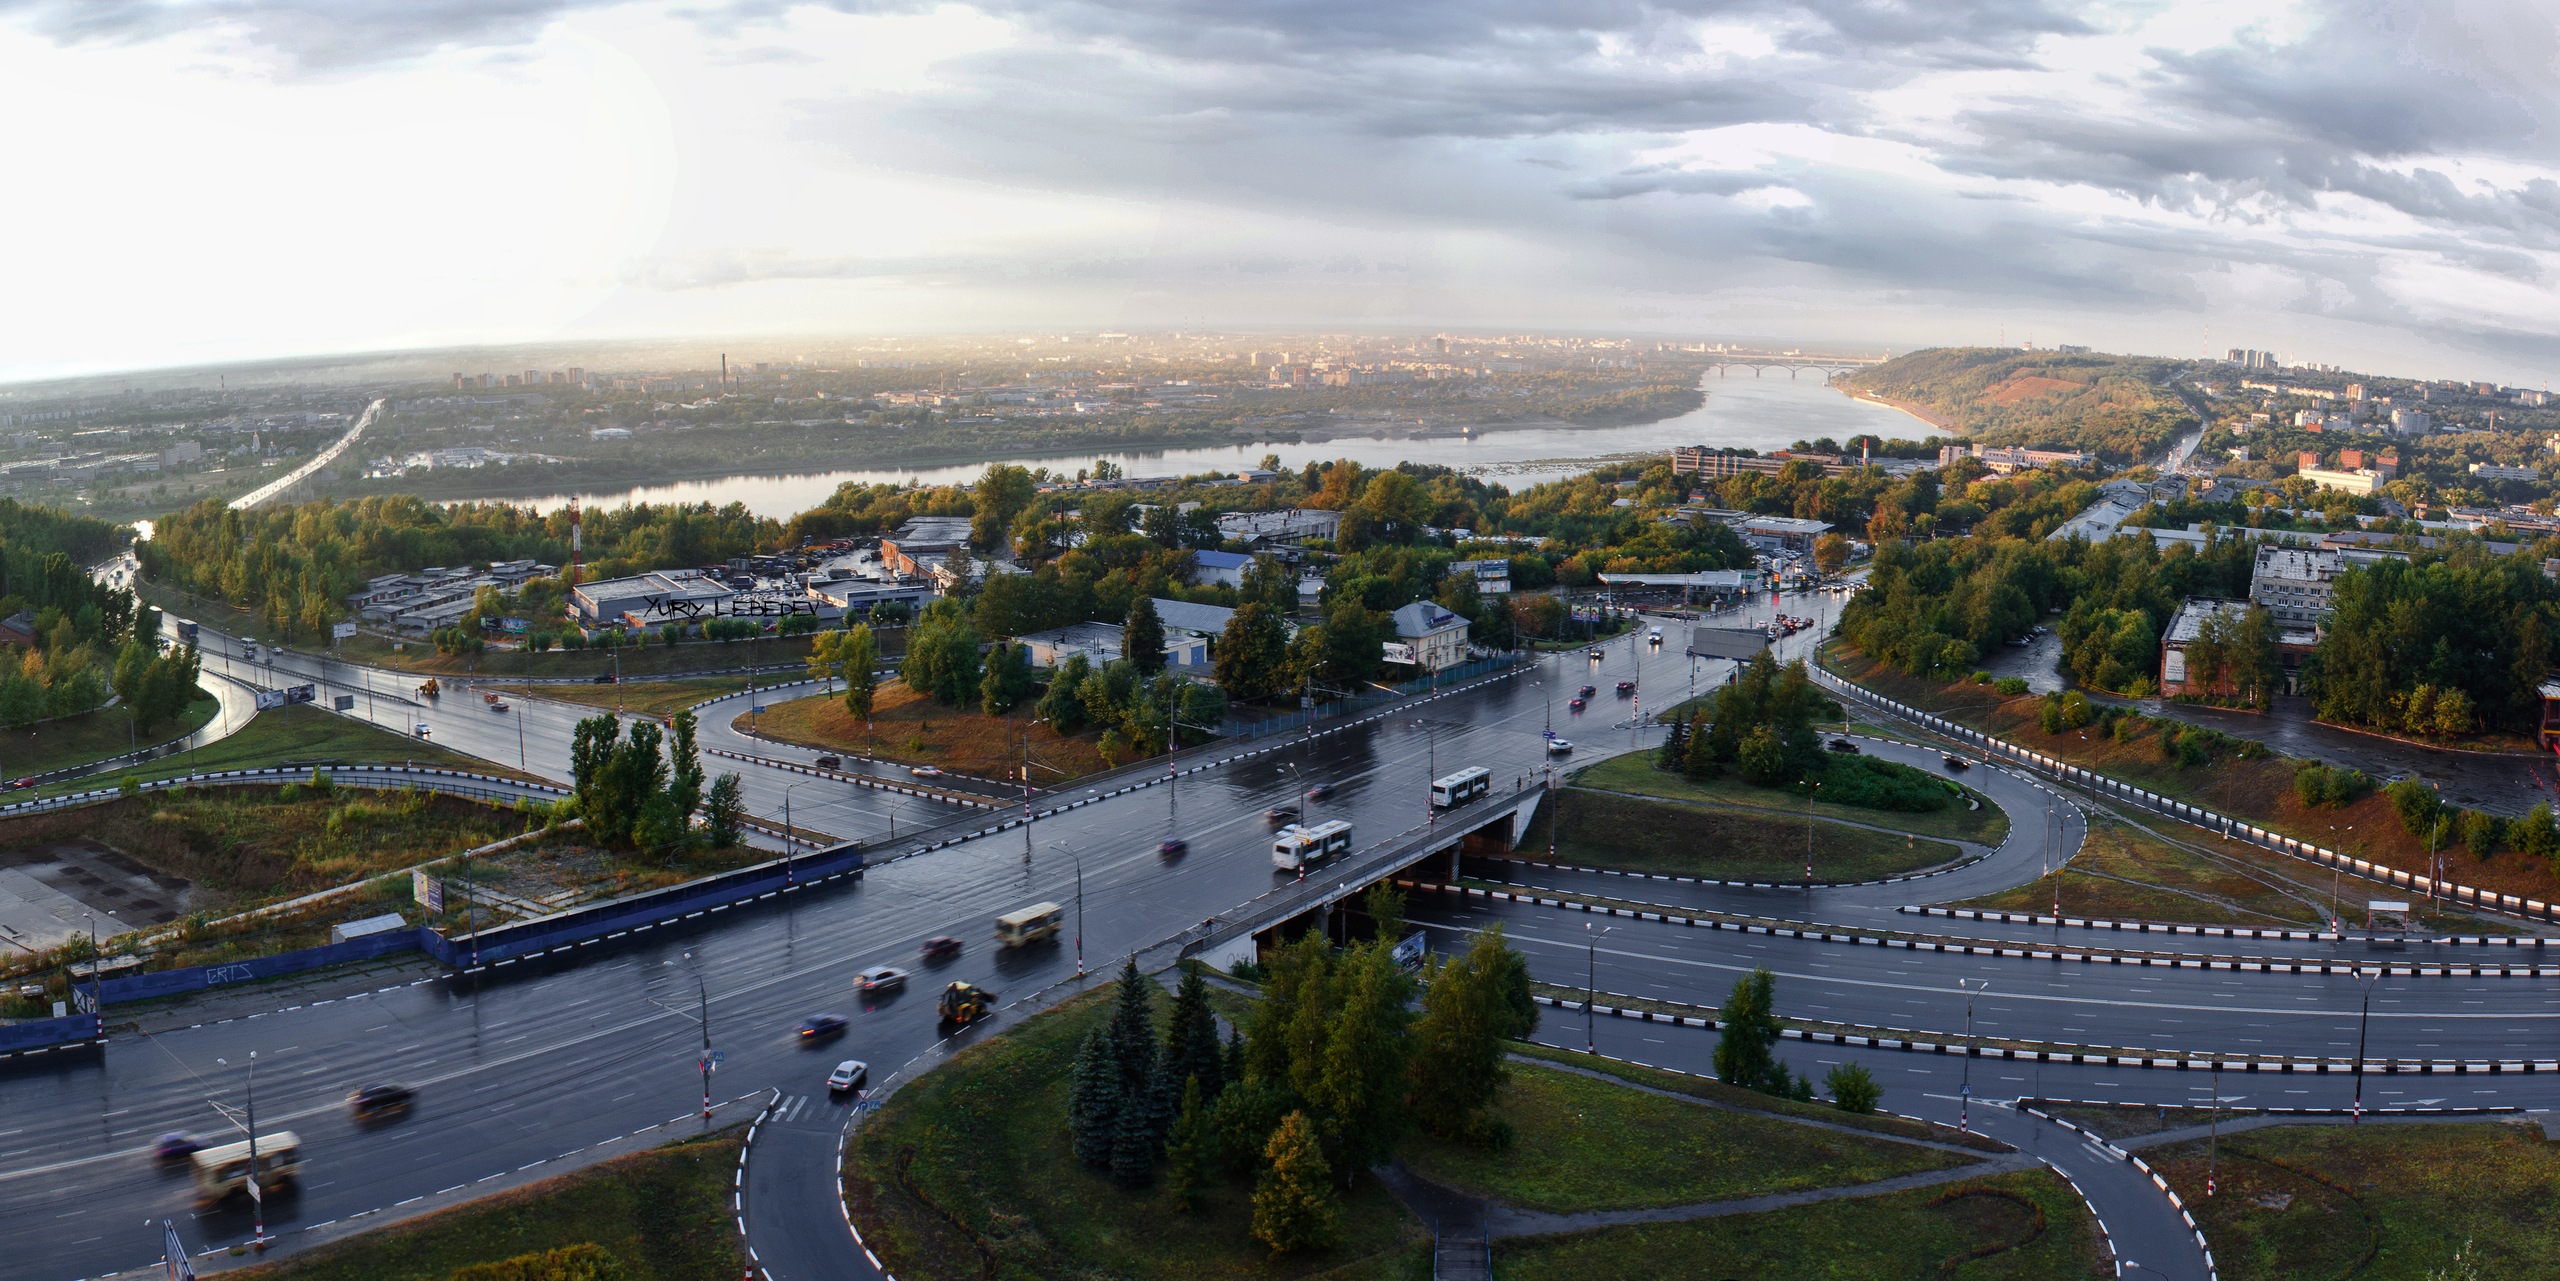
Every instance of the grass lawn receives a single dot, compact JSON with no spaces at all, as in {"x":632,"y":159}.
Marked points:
{"x":92,"y":736}
{"x":663,"y":1213}
{"x":2260,"y":791}
{"x":2319,"y":1201}
{"x":646,"y":698}
{"x":2128,"y":1120}
{"x":250,"y":843}
{"x":1584,"y":1144}
{"x":2028,"y":1225}
{"x":1634,"y":772}
{"x":2126,"y":873}
{"x":968,"y":1172}
{"x":1709,"y":1088}
{"x":1604,"y":829}
{"x":911,"y":729}
{"x":297,"y":735}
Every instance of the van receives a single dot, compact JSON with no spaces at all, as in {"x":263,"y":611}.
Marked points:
{"x":1030,"y":924}
{"x":1460,"y":788}
{"x":224,"y":1170}
{"x":1301,"y":847}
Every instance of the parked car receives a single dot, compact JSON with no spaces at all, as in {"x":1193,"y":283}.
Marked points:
{"x":1559,"y":746}
{"x":881,"y":978}
{"x":938,"y":947}
{"x":1173,"y":847}
{"x":380,"y":1100}
{"x":1844,"y":745}
{"x":829,"y":762}
{"x":818,"y":1027}
{"x":851,"y":1074}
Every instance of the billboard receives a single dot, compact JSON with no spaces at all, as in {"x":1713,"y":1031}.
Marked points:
{"x":428,"y":890}
{"x":270,"y":698}
{"x":1398,"y":652}
{"x":343,"y":703}
{"x":341,"y":631}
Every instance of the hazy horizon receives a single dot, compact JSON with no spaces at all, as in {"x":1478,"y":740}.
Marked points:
{"x":229,"y":181}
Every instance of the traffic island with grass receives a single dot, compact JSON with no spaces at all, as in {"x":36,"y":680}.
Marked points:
{"x":297,"y":736}
{"x":643,"y":698}
{"x":2126,"y":873}
{"x":658,"y":1215}
{"x":910,"y":729}
{"x":1968,"y":816}
{"x":2297,"y":1202}
{"x":72,"y":741}
{"x":1596,"y":828}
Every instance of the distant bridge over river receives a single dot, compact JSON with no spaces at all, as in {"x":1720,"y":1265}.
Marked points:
{"x":1827,"y":366}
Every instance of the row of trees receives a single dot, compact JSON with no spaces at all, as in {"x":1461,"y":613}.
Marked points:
{"x":2442,"y":647}
{"x":640,"y":789}
{"x":82,"y":627}
{"x":1333,"y":1068}
{"x":1761,"y":726}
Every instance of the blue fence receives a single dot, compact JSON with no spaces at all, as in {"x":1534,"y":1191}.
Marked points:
{"x":42,"y":1034}
{"x":196,"y":978}
{"x":641,"y":911}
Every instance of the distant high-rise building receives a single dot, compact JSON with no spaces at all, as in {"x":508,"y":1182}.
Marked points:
{"x":2248,"y":358}
{"x":461,"y":381}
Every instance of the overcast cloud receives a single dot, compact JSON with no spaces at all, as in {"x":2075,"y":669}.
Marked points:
{"x":2371,"y":184}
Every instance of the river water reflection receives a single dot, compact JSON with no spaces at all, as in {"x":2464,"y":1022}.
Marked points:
{"x":1741,"y":412}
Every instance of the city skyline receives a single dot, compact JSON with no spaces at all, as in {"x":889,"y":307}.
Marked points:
{"x":249,"y":181}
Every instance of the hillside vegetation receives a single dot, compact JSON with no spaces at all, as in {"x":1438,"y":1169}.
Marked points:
{"x":2118,"y":407}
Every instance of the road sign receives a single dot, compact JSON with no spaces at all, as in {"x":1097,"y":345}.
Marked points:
{"x":343,"y":703}
{"x":711,"y":1061}
{"x":427,"y":890}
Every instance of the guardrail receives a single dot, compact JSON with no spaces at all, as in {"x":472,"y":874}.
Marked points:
{"x":476,"y":786}
{"x":2223,"y":824}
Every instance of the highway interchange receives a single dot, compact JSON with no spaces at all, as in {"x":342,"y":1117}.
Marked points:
{"x":547,"y":1065}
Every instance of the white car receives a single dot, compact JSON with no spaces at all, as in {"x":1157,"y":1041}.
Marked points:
{"x":1559,"y":746}
{"x":852,"y":1074}
{"x":881,"y":978}
{"x":924,"y":771}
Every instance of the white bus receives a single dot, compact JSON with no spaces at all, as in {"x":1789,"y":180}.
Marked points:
{"x":1300,"y":847}
{"x":1030,"y":924}
{"x":1460,"y":788}
{"x":224,"y":1170}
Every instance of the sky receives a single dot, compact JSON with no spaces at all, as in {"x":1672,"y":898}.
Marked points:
{"x":2375,"y":185}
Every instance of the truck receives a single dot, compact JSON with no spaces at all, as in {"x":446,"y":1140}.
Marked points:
{"x":1298,"y":848}
{"x":428,"y":688}
{"x":1029,"y":925}
{"x":963,"y":1004}
{"x":188,"y":631}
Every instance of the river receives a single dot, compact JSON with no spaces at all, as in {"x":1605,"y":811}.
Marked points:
{"x":1740,"y":412}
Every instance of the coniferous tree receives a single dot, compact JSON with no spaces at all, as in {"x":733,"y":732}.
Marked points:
{"x":1191,"y":1038}
{"x":1093,"y":1101}
{"x":1142,"y":638}
{"x":1748,"y":1030}
{"x":1294,"y":1202}
{"x":1136,"y":1133}
{"x":1191,"y":1153}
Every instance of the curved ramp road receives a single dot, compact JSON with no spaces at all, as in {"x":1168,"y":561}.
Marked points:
{"x":536,"y":1067}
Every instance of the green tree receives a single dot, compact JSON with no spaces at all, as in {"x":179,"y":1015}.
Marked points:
{"x":1190,"y":1154}
{"x":2534,"y":835}
{"x":1763,"y":762}
{"x":1367,"y":1056}
{"x":1007,"y":679}
{"x":1063,"y":703}
{"x":1852,"y":1088}
{"x":1002,"y":494}
{"x":2482,"y":833}
{"x":1467,"y":1015}
{"x":1748,"y":1034}
{"x":1294,"y":1206}
{"x":724,"y":812}
{"x":1093,"y":1101}
{"x":1142,"y":637}
{"x":1253,"y":652}
{"x":942,"y":656}
{"x":1191,"y":1051}
{"x":858,"y":662}
{"x":684,"y":769}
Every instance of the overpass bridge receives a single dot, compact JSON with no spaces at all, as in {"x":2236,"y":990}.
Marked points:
{"x":1827,"y":366}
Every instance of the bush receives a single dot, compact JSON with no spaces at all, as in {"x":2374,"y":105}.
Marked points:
{"x":2326,"y":787}
{"x":1981,"y":678}
{"x":585,"y":1261}
{"x":2416,"y":803}
{"x":1869,"y":783}
{"x":2012,"y":686}
{"x":2534,"y":835}
{"x":2483,"y":833}
{"x":1852,"y":1088}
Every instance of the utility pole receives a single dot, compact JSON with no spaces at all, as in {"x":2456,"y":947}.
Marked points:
{"x":1964,"y":1108}
{"x":2364,"y":1019}
{"x":1591,"y":986}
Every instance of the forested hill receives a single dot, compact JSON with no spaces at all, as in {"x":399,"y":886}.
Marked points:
{"x":2118,"y":407}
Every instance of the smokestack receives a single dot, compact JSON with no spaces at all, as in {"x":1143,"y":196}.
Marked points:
{"x":724,"y":369}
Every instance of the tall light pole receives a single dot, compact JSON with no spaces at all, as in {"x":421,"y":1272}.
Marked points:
{"x":703,"y":992}
{"x":1431,"y":738}
{"x":1964,"y":1108}
{"x":2364,"y":1019}
{"x":1811,"y":790}
{"x":1591,"y":985}
{"x":1061,"y":847}
{"x":257,"y":1197}
{"x":97,"y":978}
{"x":790,"y":834}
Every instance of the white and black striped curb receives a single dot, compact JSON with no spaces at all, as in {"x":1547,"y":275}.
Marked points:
{"x":2485,"y":1109}
{"x":857,"y":780}
{"x":2104,"y":1148}
{"x":155,"y":1269}
{"x":2138,"y":927}
{"x":1956,"y":866}
{"x":1993,"y":947}
{"x":738,"y":1185}
{"x":2220,"y":824}
{"x":2230,"y":931}
{"x":85,"y":1043}
{"x":2284,"y":1067}
{"x":475,"y":786}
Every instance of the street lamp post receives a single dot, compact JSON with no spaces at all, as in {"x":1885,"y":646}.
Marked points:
{"x":1430,"y":814}
{"x":1061,"y":847}
{"x":1812,"y":789}
{"x":257,"y":1197}
{"x":1964,"y":1107}
{"x":2364,"y":1019}
{"x":703,"y":992}
{"x":790,"y":834}
{"x":1591,"y":986}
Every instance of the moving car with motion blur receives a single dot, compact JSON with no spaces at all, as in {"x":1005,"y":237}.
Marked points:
{"x":380,"y":1101}
{"x":938,"y":947}
{"x":1173,"y":847}
{"x":881,"y":978}
{"x":818,"y":1027}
